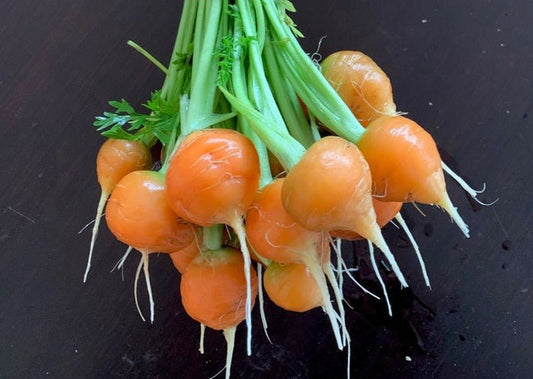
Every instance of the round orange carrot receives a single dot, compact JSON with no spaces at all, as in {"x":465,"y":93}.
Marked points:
{"x":213,"y":177}
{"x":137,"y":214}
{"x":330,"y":189}
{"x":361,"y":84}
{"x":405,"y":164}
{"x":291,"y":286}
{"x":213,"y":288}
{"x":117,"y":158}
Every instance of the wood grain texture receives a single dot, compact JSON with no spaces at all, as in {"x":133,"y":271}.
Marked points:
{"x":461,"y":69}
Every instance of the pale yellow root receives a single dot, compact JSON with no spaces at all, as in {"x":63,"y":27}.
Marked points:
{"x":344,"y":269}
{"x":229,"y":334}
{"x":238,"y":227}
{"x":447,"y":205}
{"x":376,"y":270}
{"x":379,"y":241}
{"x":202,"y":337}
{"x":261,"y":299}
{"x":319,"y":277}
{"x":143,"y":264}
{"x":99,"y":211}
{"x":405,"y":228}
{"x":148,"y":284}
{"x":464,"y":185}
{"x":137,"y":274}
{"x":339,"y":298}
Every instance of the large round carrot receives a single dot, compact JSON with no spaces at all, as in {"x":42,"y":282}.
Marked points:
{"x":213,"y":177}
{"x":137,"y":214}
{"x":330,"y":189}
{"x":115,"y":159}
{"x":291,"y":286}
{"x":361,"y":83}
{"x":405,"y":164}
{"x":213,"y":288}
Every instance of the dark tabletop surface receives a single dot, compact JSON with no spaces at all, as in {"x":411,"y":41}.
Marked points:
{"x":463,"y":69}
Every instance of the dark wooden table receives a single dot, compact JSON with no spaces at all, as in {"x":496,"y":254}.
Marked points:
{"x":463,"y":69}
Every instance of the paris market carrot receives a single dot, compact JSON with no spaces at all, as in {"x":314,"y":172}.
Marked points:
{"x":344,"y":175}
{"x":360,"y":83}
{"x":115,"y":159}
{"x":291,"y":286}
{"x":406,"y":164}
{"x":138,"y":215}
{"x":214,"y":291}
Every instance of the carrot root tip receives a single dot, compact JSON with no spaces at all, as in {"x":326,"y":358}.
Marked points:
{"x":405,"y":228}
{"x":378,"y":275}
{"x":99,"y":210}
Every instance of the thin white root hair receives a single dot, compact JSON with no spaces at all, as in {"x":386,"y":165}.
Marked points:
{"x":379,"y":241}
{"x":238,"y":227}
{"x":319,"y":276}
{"x":368,"y":292}
{"x":380,"y":280}
{"x":121,"y":261}
{"x":447,"y":205}
{"x":99,"y":211}
{"x":86,"y":226}
{"x":145,"y":258}
{"x":136,"y":281}
{"x":261,"y":299}
{"x":202,"y":338}
{"x":405,"y":228}
{"x":343,"y":268}
{"x":229,"y":334}
{"x":464,"y":185}
{"x":418,"y":208}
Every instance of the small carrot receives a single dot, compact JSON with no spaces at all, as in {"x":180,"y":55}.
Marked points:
{"x":115,"y":159}
{"x":213,"y":288}
{"x":405,"y":164}
{"x":214,"y":292}
{"x":137,"y":214}
{"x":361,"y":84}
{"x":291,"y":286}
{"x":336,"y":181}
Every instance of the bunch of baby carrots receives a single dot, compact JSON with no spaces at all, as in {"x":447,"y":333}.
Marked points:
{"x":252,"y":161}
